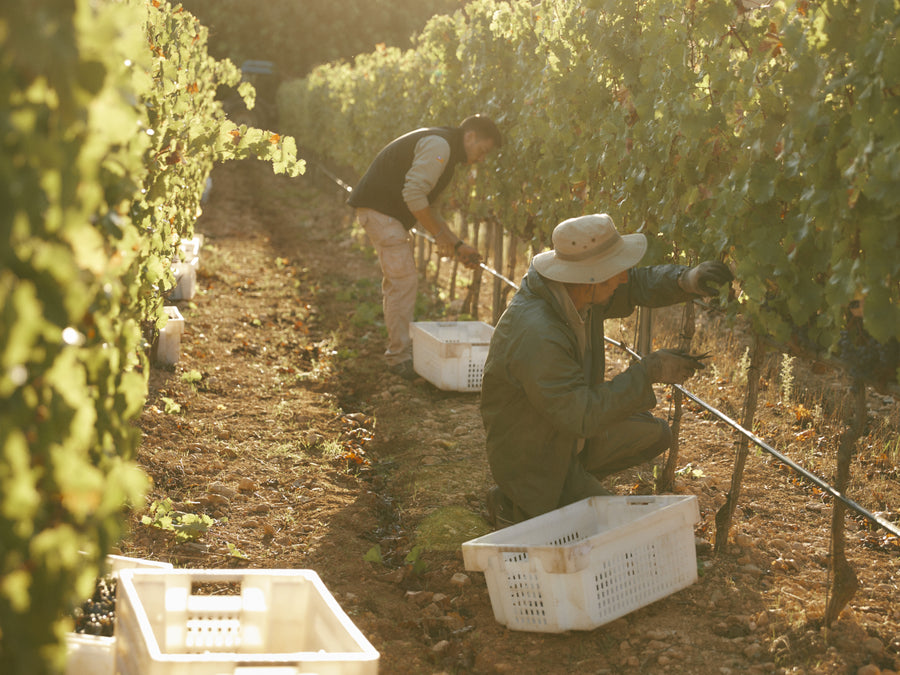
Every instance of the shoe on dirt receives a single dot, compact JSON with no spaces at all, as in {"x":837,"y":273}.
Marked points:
{"x":501,"y":512}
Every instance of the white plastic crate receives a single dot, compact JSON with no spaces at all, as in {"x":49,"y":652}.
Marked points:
{"x":168,"y":345}
{"x":185,"y":279}
{"x":451,"y":354}
{"x":95,"y":654}
{"x":190,"y":248}
{"x":588,"y":563}
{"x":255,"y":621}
{"x":185,"y":270}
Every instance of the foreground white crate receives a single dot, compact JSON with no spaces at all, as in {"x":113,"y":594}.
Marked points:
{"x":278,"y":622}
{"x":168,"y":345}
{"x":95,"y":654}
{"x":451,"y":354}
{"x":588,"y":563}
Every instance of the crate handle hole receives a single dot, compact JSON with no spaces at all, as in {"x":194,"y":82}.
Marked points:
{"x":215,"y":588}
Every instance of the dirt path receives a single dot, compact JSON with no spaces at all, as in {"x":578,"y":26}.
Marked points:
{"x":280,"y":424}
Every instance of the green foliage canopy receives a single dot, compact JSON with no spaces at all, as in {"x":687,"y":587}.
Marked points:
{"x":296,"y":36}
{"x":766,"y":138}
{"x":109,"y":130}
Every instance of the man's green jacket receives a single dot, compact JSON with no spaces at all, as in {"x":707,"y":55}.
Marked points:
{"x":538,"y":396}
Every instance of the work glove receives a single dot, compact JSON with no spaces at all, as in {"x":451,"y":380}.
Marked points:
{"x":699,"y":280}
{"x":668,"y":366}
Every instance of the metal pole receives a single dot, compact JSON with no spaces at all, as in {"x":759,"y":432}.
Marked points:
{"x":645,"y":330}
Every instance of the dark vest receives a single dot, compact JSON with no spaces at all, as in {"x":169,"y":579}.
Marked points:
{"x":381,"y":188}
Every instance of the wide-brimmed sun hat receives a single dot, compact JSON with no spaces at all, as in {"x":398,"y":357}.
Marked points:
{"x":589,"y":250}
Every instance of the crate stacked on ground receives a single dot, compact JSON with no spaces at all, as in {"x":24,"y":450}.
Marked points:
{"x":588,"y":563}
{"x":168,"y":342}
{"x":186,"y":267}
{"x":451,"y":354}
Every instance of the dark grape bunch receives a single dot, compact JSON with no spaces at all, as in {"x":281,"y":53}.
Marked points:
{"x":96,"y":616}
{"x":869,"y":359}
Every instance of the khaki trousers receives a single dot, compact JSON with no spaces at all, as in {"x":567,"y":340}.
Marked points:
{"x":394,"y":245}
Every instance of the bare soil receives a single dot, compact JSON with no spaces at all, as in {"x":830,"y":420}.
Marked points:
{"x":280,"y":423}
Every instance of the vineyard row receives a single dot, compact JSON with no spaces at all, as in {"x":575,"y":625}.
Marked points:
{"x":109,"y":134}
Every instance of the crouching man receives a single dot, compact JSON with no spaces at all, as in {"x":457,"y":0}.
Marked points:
{"x":554,"y":426}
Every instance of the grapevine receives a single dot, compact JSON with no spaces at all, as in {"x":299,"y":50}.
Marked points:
{"x":272,"y":30}
{"x":111,"y":129}
{"x":677,"y":118}
{"x":868,"y":359}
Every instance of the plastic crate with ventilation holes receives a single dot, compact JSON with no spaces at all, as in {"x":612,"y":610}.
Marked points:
{"x":95,"y":654}
{"x":451,"y":354}
{"x":186,"y":269}
{"x":586,"y":564}
{"x":168,"y":342}
{"x":235,"y":622}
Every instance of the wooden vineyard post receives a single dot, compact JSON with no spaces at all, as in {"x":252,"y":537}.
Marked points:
{"x":471,"y":304}
{"x":511,"y":255}
{"x":666,"y":480}
{"x":497,"y":297}
{"x":486,"y":251}
{"x":463,"y":234}
{"x":644,"y":342}
{"x":844,"y":583}
{"x":454,"y":268}
{"x":725,"y":513}
{"x":420,"y":256}
{"x":476,"y":276}
{"x":437,"y":265}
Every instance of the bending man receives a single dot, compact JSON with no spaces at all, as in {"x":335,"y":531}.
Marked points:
{"x":398,"y":190}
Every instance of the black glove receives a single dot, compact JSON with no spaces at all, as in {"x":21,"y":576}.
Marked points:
{"x":668,"y":366}
{"x":699,"y":280}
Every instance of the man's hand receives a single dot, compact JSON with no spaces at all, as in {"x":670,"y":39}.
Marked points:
{"x":434,"y":225}
{"x":667,"y":366}
{"x":445,"y":241}
{"x":699,"y":280}
{"x":468,"y":256}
